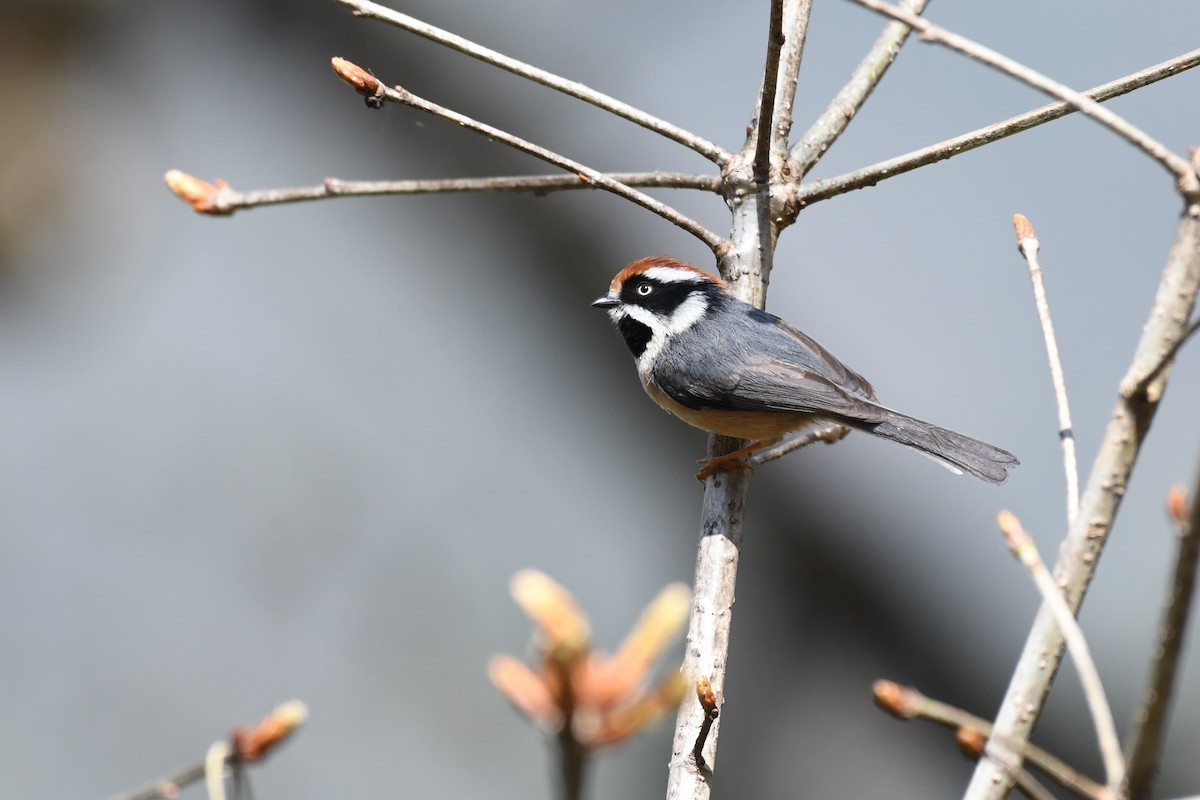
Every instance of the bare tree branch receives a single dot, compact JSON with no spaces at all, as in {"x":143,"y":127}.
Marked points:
{"x":869,"y":176}
{"x":711,"y":151}
{"x":1185,"y":176}
{"x":746,"y":264}
{"x":785,"y":49}
{"x":1028,"y":244}
{"x":245,"y":746}
{"x":225,"y":199}
{"x":1023,"y":547}
{"x":764,"y":122}
{"x":833,"y":120}
{"x":905,"y":702}
{"x":1151,"y":718}
{"x":369,"y":86}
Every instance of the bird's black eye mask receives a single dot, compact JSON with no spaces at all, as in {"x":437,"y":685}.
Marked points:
{"x":659,"y":298}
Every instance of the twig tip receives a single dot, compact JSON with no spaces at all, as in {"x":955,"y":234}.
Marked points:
{"x":1023,"y":227}
{"x":255,"y":743}
{"x":897,"y":700}
{"x":1177,"y":503}
{"x":200,"y":195}
{"x":361,"y":79}
{"x":707,"y":697}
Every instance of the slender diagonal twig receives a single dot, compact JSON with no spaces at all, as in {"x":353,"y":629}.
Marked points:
{"x":905,"y":702}
{"x":833,"y":432}
{"x":367,"y":84}
{"x":788,"y":29}
{"x":711,"y":151}
{"x":833,"y":120}
{"x":764,"y":122}
{"x":223,"y":200}
{"x":1185,"y":176}
{"x":1028,"y":244}
{"x":1151,"y":718}
{"x":1026,"y":551}
{"x":796,"y":14}
{"x":881,"y":171}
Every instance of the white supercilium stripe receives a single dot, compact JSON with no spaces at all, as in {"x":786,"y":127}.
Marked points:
{"x":671,"y":274}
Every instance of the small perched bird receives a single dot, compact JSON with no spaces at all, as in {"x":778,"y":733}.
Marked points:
{"x":726,"y":367}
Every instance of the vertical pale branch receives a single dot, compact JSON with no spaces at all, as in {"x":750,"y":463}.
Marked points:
{"x":1151,"y":719}
{"x":1079,"y":555}
{"x":747,"y":265}
{"x":1028,"y":244}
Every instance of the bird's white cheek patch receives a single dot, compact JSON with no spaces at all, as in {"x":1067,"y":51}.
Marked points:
{"x":690,"y":312}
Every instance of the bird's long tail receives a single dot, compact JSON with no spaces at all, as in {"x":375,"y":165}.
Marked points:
{"x":984,"y":461}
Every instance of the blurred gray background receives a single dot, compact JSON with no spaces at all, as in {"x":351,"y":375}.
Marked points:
{"x":300,"y":452}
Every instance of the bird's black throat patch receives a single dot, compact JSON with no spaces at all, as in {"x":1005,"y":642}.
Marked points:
{"x":636,"y":334}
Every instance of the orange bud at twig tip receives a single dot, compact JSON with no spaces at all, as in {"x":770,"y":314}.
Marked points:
{"x":897,"y":700}
{"x":707,"y":697}
{"x":1023,"y":227}
{"x":1177,"y":503}
{"x":255,"y":743}
{"x":362,"y":80}
{"x":200,"y":195}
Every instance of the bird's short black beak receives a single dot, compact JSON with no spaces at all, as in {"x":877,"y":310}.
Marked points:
{"x":605,"y":302}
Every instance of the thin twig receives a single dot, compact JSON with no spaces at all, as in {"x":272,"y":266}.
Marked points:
{"x":361,"y":79}
{"x":1031,"y":786}
{"x":215,"y":761}
{"x":1186,"y":178}
{"x":788,"y":30}
{"x":245,"y":746}
{"x":572,"y":754}
{"x":709,"y":150}
{"x":905,"y":702}
{"x":764,"y":122}
{"x":873,"y":174}
{"x":796,"y":14}
{"x":1028,"y":244}
{"x":225,"y":200}
{"x":1151,"y":718}
{"x":830,"y":433}
{"x":1026,"y":551}
{"x":833,"y":120}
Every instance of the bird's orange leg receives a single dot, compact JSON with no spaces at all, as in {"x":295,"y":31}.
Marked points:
{"x":730,"y":460}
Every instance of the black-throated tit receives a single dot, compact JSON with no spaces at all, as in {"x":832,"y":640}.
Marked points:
{"x":726,"y":367}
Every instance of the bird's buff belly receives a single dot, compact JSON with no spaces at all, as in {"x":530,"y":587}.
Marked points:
{"x":754,"y":425}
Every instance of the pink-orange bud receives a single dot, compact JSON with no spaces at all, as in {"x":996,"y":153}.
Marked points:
{"x":200,"y":195}
{"x":971,"y":742}
{"x":1023,"y":227}
{"x":895,"y":699}
{"x":253,"y":744}
{"x":1177,"y":503}
{"x":707,"y":697}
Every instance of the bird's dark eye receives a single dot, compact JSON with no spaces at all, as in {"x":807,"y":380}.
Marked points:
{"x":644,"y":289}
